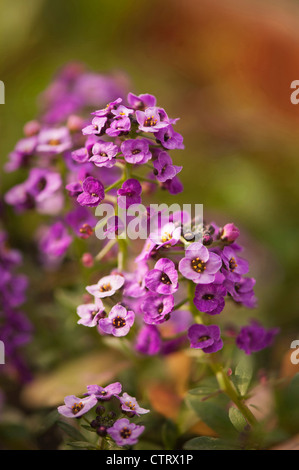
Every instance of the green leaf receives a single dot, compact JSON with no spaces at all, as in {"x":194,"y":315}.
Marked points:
{"x":207,"y":443}
{"x":82,"y":445}
{"x":212,"y":414}
{"x":243,"y":374}
{"x":71,"y":431}
{"x":237,"y":419}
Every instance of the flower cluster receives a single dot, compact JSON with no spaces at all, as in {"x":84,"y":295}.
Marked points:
{"x":173,"y":273}
{"x":106,"y":423}
{"x":15,"y":328}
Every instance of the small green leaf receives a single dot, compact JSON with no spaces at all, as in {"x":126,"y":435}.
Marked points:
{"x":237,"y":419}
{"x":82,"y":445}
{"x":243,"y":374}
{"x":71,"y":431}
{"x":207,"y":443}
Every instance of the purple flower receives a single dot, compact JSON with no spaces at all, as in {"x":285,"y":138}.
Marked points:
{"x":104,"y":154}
{"x":150,"y":120}
{"x":118,"y":322}
{"x":199,"y":264}
{"x":129,"y":193}
{"x":174,"y":186}
{"x":106,"y":286}
{"x":209,"y":298}
{"x":96,"y":127}
{"x":53,"y":141}
{"x":90,"y":314}
{"x":168,"y":236}
{"x":136,"y":151}
{"x":107,"y":110}
{"x":118,"y":126}
{"x":141,"y":102}
{"x":169,"y":138}
{"x":75,"y":407}
{"x":121,"y":111}
{"x":39,"y":190}
{"x":130,"y":404}
{"x":157,"y":308}
{"x":233,"y":263}
{"x":163,"y":279}
{"x":82,"y":221}
{"x":254,"y":337}
{"x":125,"y":433}
{"x":164,"y":168}
{"x":93,"y":192}
{"x":242,"y":291}
{"x":229,"y":233}
{"x":22,"y":154}
{"x":55,"y":241}
{"x":105,"y":393}
{"x":206,"y":338}
{"x":148,"y":340}
{"x":81,"y":155}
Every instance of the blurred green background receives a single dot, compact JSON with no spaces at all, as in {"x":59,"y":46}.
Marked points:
{"x":225,"y":68}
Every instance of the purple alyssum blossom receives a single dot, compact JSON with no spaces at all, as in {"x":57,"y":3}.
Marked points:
{"x":55,"y":240}
{"x":169,"y":138}
{"x":107,"y":110}
{"x":229,"y":233}
{"x":167,"y":236}
{"x":118,"y":126}
{"x":103,"y":154}
{"x":107,"y":286}
{"x":75,"y":407}
{"x":136,"y":151}
{"x":255,"y":337}
{"x":157,"y":308}
{"x":148,"y":340}
{"x":242,"y":291}
{"x":22,"y":154}
{"x":82,"y":221}
{"x":199,"y":264}
{"x":164,"y":168}
{"x":141,"y":102}
{"x":53,"y":141}
{"x":96,"y":127}
{"x":105,"y":393}
{"x":131,"y":405}
{"x":125,"y":433}
{"x":118,"y":322}
{"x":150,"y":120}
{"x":163,"y":279}
{"x":235,"y":265}
{"x":93,"y":192}
{"x":209,"y":298}
{"x":90,"y":314}
{"x":206,"y":338}
{"x":129,"y":193}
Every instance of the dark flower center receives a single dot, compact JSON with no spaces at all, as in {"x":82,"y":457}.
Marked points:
{"x":125,"y":433}
{"x":103,"y":393}
{"x":198,"y":265}
{"x":119,"y":322}
{"x":232,"y":264}
{"x":136,"y":151}
{"x":165,"y":279}
{"x":208,"y":297}
{"x":105,"y":287}
{"x":103,"y":154}
{"x":160,"y":308}
{"x":201,"y":339}
{"x":42,"y":183}
{"x":150,"y":122}
{"x":77,"y":407}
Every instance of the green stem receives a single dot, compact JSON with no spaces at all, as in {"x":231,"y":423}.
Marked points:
{"x":229,"y":389}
